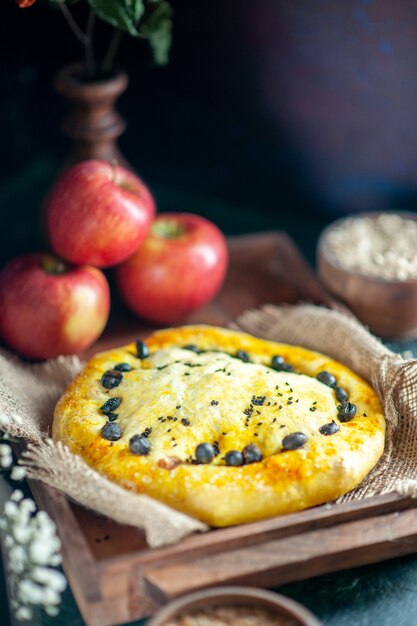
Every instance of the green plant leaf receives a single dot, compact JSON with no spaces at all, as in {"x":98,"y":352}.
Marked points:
{"x":123,"y":14}
{"x":156,"y":26}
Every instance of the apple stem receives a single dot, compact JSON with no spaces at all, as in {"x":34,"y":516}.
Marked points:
{"x":52,"y":265}
{"x":167,"y":229}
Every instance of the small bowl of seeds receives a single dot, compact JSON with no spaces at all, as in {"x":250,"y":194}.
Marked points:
{"x":369,"y":262}
{"x":234,"y":606}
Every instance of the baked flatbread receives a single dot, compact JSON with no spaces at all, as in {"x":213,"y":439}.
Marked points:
{"x":221,"y":425}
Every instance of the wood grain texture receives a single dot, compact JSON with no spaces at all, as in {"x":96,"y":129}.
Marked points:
{"x":116,"y":578}
{"x":294,"y":558}
{"x":92,"y":121}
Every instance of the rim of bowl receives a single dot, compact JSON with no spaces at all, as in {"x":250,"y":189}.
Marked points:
{"x":330,"y":258}
{"x":226,"y":596}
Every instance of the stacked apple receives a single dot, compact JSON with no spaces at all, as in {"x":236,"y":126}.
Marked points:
{"x":100,"y":215}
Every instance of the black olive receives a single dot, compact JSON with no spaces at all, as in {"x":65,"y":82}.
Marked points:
{"x":204,"y":453}
{"x":251,"y":453}
{"x":139,"y":444}
{"x":326,"y":378}
{"x":142,"y":350}
{"x":112,"y":416}
{"x":110,"y":405}
{"x":278,"y":363}
{"x":111,"y":379}
{"x":243,"y":356}
{"x":346,"y":411}
{"x":329,"y":429}
{"x":341,"y":394}
{"x":192,"y":347}
{"x":111,"y":431}
{"x":123,"y":367}
{"x":234,"y":458}
{"x":294,"y":441}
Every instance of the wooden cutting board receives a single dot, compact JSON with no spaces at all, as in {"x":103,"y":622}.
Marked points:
{"x":116,"y":577}
{"x":263,"y":268}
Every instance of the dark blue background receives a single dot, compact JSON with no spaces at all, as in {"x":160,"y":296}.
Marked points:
{"x":270,"y":110}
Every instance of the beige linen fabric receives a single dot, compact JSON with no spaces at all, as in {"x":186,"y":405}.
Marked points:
{"x":28,"y":394}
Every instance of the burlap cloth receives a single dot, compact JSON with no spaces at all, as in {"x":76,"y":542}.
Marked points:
{"x":28,"y":394}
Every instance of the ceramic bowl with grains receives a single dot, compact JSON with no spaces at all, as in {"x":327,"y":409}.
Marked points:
{"x":234,"y":606}
{"x":369,"y":262}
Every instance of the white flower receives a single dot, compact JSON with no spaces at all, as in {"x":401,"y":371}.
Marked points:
{"x":41,"y":574}
{"x":58,"y":582}
{"x":17,"y":554}
{"x":24,"y":613}
{"x":47,"y":576}
{"x":45,"y":522}
{"x":50,"y":596}
{"x":11,"y":510}
{"x":27,"y":506}
{"x":6,"y":462}
{"x":51,"y":541}
{"x":5,"y":449}
{"x":31,"y":551}
{"x":17,"y":495}
{"x":31,"y":593}
{"x":40,"y":552}
{"x":22,"y":534}
{"x":17,"y":567}
{"x":55,"y":560}
{"x":52,"y":610}
{"x":6,"y":456}
{"x":18,"y":473}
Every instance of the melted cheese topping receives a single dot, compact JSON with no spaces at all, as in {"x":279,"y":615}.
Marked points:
{"x":187,"y":399}
{"x":172,"y":396}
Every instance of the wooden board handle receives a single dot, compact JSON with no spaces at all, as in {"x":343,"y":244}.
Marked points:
{"x":293,"y":558}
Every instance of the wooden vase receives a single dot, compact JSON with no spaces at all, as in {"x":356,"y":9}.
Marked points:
{"x":92,"y":122}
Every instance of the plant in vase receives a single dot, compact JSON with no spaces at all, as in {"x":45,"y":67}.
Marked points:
{"x":144,"y":19}
{"x":93,"y":85}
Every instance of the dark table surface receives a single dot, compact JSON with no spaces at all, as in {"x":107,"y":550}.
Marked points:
{"x":384,"y":594}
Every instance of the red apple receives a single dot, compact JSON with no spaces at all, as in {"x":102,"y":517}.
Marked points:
{"x":179,"y":267}
{"x":98,"y":213}
{"x":48,"y":308}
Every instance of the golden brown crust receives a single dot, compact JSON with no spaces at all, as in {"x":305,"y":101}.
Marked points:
{"x":174,"y":385}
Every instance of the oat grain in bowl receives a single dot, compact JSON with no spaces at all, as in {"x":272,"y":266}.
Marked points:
{"x":384,"y":246}
{"x":369,"y":263}
{"x":231,"y":616}
{"x":234,"y":606}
